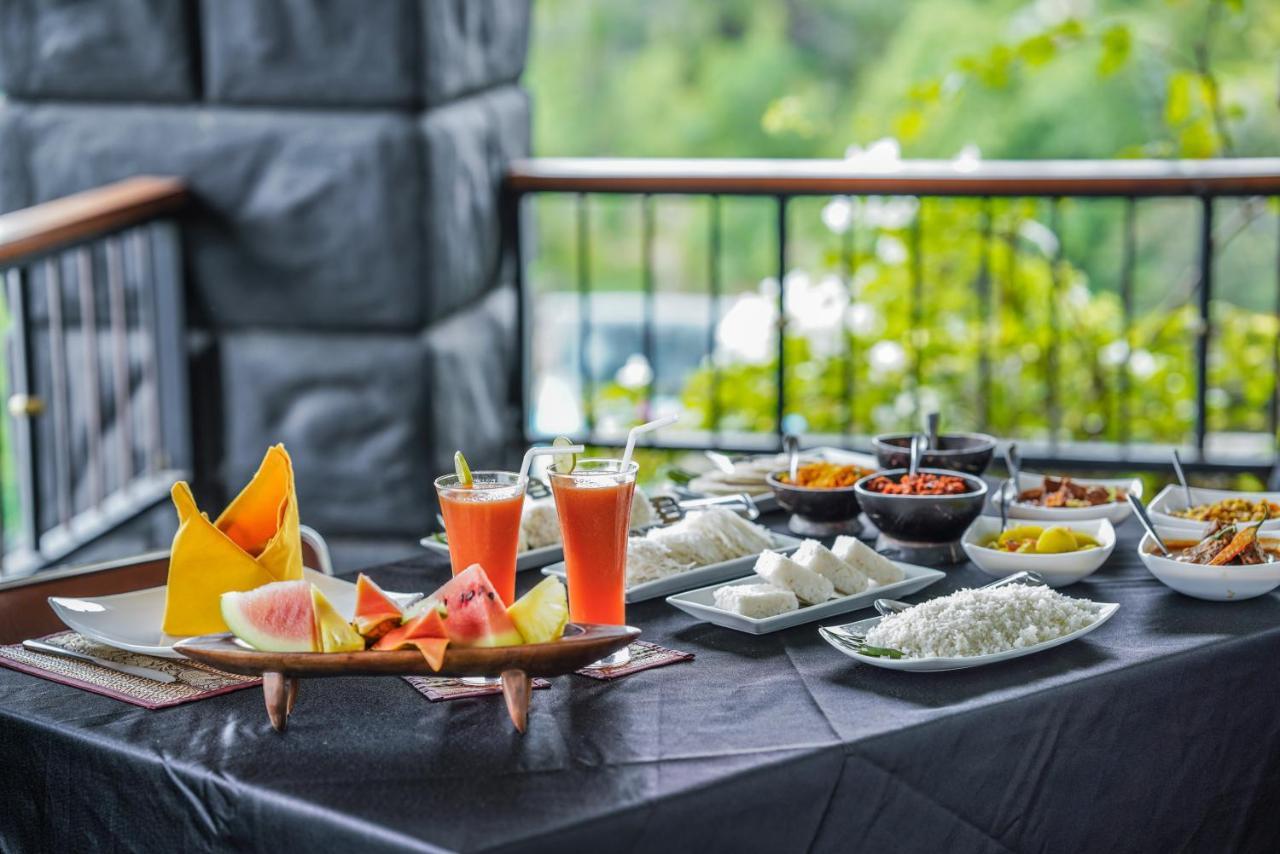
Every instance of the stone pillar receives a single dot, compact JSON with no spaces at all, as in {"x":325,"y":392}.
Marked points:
{"x":346,"y":282}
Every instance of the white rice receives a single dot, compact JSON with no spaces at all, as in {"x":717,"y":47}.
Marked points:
{"x":642,"y":514}
{"x":981,"y":622}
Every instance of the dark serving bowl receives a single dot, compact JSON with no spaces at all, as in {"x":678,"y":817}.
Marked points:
{"x":968,"y":453}
{"x":922,"y":518}
{"x":815,"y":511}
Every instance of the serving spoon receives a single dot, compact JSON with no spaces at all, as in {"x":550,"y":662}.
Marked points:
{"x":888,"y":607}
{"x":1182,"y":478}
{"x":1004,"y":503}
{"x":1012,"y":464}
{"x":791,"y":444}
{"x":914,"y":464}
{"x":1140,"y":510}
{"x":931,"y":429}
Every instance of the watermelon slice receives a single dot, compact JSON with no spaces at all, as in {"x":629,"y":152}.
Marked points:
{"x":336,"y":634}
{"x":376,"y":613}
{"x":476,"y":615}
{"x":426,"y":632}
{"x":276,"y":617}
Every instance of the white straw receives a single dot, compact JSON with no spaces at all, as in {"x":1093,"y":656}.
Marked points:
{"x":543,"y":451}
{"x":645,"y":428}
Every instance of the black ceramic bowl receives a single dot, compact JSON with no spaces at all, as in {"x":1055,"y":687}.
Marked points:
{"x":968,"y":453}
{"x":922,"y":518}
{"x":817,"y":512}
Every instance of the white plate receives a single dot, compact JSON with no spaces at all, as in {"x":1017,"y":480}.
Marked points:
{"x":1115,"y":512}
{"x":1214,"y":583}
{"x":702,"y":603}
{"x":1057,"y":570}
{"x":711,"y":574}
{"x":131,"y":621}
{"x":930,"y":665}
{"x":531,"y":559}
{"x":1172,"y":498}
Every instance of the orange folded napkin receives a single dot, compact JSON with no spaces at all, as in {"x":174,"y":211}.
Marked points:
{"x":254,"y":542}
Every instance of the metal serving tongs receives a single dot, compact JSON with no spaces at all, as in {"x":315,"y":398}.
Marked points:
{"x":1140,"y":510}
{"x":670,"y":510}
{"x":857,"y":641}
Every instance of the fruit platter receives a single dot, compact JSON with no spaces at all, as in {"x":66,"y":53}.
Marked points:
{"x":288,"y":630}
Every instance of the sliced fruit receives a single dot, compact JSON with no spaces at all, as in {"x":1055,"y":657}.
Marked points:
{"x":564,"y":463}
{"x":541,"y":614}
{"x":1021,"y":532}
{"x":336,"y":634}
{"x":427,"y":632}
{"x":461,"y":469}
{"x":1056,"y":540}
{"x":476,"y":616}
{"x":376,"y":613}
{"x":276,"y":617}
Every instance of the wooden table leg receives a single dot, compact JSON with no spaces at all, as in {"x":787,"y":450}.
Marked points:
{"x":293,"y":695}
{"x":517,"y":688}
{"x":275,"y":689}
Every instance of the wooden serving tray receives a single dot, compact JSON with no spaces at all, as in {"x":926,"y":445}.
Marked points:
{"x":582,"y":644}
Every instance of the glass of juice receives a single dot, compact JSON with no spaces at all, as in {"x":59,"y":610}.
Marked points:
{"x":482,"y":524}
{"x":594,"y":505}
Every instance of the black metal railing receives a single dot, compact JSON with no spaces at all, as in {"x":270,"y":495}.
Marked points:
{"x":96,"y":366}
{"x":582,"y":179}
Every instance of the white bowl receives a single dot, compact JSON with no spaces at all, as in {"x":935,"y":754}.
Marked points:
{"x":1215,"y":583}
{"x":1173,"y":497}
{"x":1058,"y":570}
{"x":1116,"y":512}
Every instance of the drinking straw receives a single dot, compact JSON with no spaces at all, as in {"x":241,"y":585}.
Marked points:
{"x":645,"y":428}
{"x":544,"y":451}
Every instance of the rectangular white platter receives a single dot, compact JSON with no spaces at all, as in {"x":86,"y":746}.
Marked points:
{"x":710,"y":574}
{"x":932,"y":665}
{"x":1173,"y":498}
{"x":131,"y":621}
{"x":701,"y":603}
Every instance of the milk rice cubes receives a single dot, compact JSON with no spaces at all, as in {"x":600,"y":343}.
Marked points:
{"x":814,"y":556}
{"x":874,"y":565}
{"x":782,"y":571}
{"x":756,"y":601}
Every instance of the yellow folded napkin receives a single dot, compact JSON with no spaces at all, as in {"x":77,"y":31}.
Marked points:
{"x":254,"y":542}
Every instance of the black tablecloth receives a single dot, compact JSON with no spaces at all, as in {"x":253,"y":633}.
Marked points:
{"x":1158,"y":732}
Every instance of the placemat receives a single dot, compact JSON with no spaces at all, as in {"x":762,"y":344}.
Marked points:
{"x":440,"y":688}
{"x":195,"y":681}
{"x":644,"y":656}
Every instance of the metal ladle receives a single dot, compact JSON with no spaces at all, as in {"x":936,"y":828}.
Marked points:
{"x":1004,"y":503}
{"x":931,"y":429}
{"x":1140,"y":510}
{"x":791,"y":445}
{"x":1012,"y":464}
{"x":914,"y":463}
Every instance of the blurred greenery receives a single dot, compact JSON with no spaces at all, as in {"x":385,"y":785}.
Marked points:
{"x":935,"y":79}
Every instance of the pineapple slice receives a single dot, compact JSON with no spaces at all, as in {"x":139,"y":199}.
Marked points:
{"x":336,"y":634}
{"x":541,"y":614}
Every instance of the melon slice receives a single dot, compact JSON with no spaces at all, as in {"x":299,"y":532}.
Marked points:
{"x":541,"y":614}
{"x":476,"y":615}
{"x":276,"y":617}
{"x":427,"y":632}
{"x":376,"y":613}
{"x":336,"y":634}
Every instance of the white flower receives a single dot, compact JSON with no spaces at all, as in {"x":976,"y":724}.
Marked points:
{"x":887,"y":357}
{"x":863,"y":319}
{"x":1143,"y":364}
{"x":883,"y":155}
{"x":890,"y":250}
{"x":1114,"y":353}
{"x":748,"y":330}
{"x":890,"y":212}
{"x":635,"y":373}
{"x":1039,"y":236}
{"x":837,"y":214}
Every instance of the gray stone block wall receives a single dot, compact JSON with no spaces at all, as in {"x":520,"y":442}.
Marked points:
{"x":346,"y":253}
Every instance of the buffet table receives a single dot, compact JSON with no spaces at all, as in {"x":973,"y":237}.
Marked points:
{"x":1158,"y":732}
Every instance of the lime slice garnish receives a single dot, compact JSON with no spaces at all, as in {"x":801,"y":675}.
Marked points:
{"x":461,"y":469}
{"x":564,"y":463}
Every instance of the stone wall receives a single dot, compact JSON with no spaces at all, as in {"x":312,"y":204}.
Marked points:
{"x":346,"y":283}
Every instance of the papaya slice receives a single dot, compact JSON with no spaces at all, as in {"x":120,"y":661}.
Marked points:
{"x":376,"y":613}
{"x":426,"y":632}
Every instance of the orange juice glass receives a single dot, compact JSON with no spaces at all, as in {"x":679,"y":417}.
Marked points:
{"x":594,"y":506}
{"x":482,"y":524}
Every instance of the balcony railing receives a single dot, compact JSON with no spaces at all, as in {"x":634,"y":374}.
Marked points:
{"x":993,"y":188}
{"x":96,"y":366}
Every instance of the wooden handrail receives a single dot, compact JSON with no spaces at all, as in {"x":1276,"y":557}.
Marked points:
{"x":82,"y":216}
{"x":1224,"y":177}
